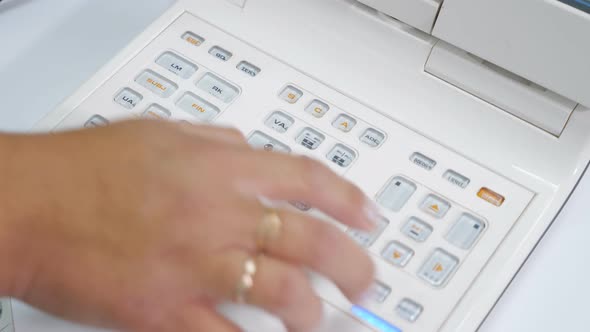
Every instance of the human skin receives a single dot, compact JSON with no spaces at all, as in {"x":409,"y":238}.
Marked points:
{"x":146,"y":225}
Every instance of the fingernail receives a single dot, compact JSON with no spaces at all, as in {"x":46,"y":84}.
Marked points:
{"x":372,"y":214}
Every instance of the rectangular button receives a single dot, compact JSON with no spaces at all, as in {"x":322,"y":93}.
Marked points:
{"x":366,"y":239}
{"x":341,"y":155}
{"x":198,"y":107}
{"x":465,"y":231}
{"x":344,"y":123}
{"x":397,"y":254}
{"x":279,"y":122}
{"x":218,"y":88}
{"x":96,"y":121}
{"x":128,"y":98}
{"x":310,"y":138}
{"x":260,"y":140}
{"x":378,"y":292}
{"x":437,"y":269}
{"x":456,"y":179}
{"x":435,"y":206}
{"x":491,"y":196}
{"x":156,"y":112}
{"x":291,"y":94}
{"x":220,"y":53}
{"x":317,"y":108}
{"x":396,"y":194}
{"x":372,"y":137}
{"x":423,"y":161}
{"x":248,"y":68}
{"x":409,"y":310}
{"x":156,"y":84}
{"x":193,"y":39}
{"x":177,"y":65}
{"x":417,"y":229}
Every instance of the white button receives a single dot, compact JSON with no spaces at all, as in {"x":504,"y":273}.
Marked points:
{"x":437,"y":269}
{"x":456,"y":179}
{"x":465,"y":231}
{"x":344,"y":123}
{"x":176,"y":65}
{"x":409,"y":310}
{"x":218,"y":88}
{"x":378,"y":292}
{"x":396,"y":194}
{"x":96,"y":121}
{"x":417,"y":229}
{"x":156,"y":84}
{"x":262,"y":141}
{"x":341,"y":155}
{"x":423,"y":161}
{"x":156,"y":112}
{"x":310,"y":138}
{"x":220,"y":53}
{"x":366,"y":239}
{"x":279,"y":122}
{"x":435,"y":206}
{"x":198,"y":107}
{"x":291,"y":94}
{"x":372,"y":137}
{"x":317,"y":108}
{"x":397,"y":254}
{"x":193,"y":39}
{"x":128,"y":98}
{"x":248,"y":68}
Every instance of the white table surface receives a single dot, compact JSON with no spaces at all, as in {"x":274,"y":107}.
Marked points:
{"x":49,"y":47}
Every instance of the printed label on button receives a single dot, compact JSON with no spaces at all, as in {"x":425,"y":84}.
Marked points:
{"x":396,"y":194}
{"x":317,"y":108}
{"x":128,"y":98}
{"x":248,"y":68}
{"x":220,"y":53}
{"x":437,"y":269}
{"x":193,"y":39}
{"x":344,"y":122}
{"x":436,"y":206}
{"x":456,"y":179}
{"x":341,"y":155}
{"x":417,"y":229}
{"x":397,"y":254}
{"x":423,"y":161}
{"x":279,"y":122}
{"x":310,"y":138}
{"x":198,"y":107}
{"x":372,"y":137}
{"x":176,"y":65}
{"x":291,"y":94}
{"x":156,"y":84}
{"x":218,"y":88}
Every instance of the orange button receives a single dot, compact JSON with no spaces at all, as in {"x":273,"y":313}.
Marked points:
{"x":491,"y":196}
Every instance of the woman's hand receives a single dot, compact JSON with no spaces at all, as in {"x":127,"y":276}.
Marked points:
{"x":146,"y":226}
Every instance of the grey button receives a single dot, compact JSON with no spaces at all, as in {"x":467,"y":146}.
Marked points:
{"x":218,"y":88}
{"x":96,"y":121}
{"x":379,"y":292}
{"x":409,"y":310}
{"x":344,"y":122}
{"x":291,"y":94}
{"x":279,"y":122}
{"x":260,"y":140}
{"x":177,"y":65}
{"x":317,"y":108}
{"x":397,"y":254}
{"x":422,"y":161}
{"x":341,"y":155}
{"x":439,"y":266}
{"x":435,"y":206}
{"x":465,"y":231}
{"x":417,"y":229}
{"x":198,"y":107}
{"x":248,"y":68}
{"x":156,"y":112}
{"x":310,"y":138}
{"x":220,"y":53}
{"x":372,"y":137}
{"x":128,"y":98}
{"x":396,"y":194}
{"x":156,"y":83}
{"x":366,"y":239}
{"x":457,"y":179}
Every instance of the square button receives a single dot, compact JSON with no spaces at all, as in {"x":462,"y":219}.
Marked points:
{"x":310,"y":138}
{"x":341,"y":155}
{"x":378,"y":292}
{"x":156,"y":112}
{"x":279,"y":122}
{"x":372,"y":137}
{"x":218,"y":88}
{"x":291,"y":94}
{"x":344,"y":122}
{"x":435,"y":206}
{"x":96,"y":121}
{"x":128,"y":98}
{"x":366,"y":239}
{"x":417,"y":229}
{"x":396,"y":194}
{"x":397,"y":254}
{"x":197,"y":106}
{"x":465,"y":231}
{"x":409,"y":310}
{"x":317,"y":108}
{"x":177,"y":65}
{"x":437,"y":269}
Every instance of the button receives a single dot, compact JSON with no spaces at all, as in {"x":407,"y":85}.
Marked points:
{"x":220,"y":53}
{"x":301,"y":206}
{"x":177,"y":65}
{"x":317,"y":108}
{"x":198,"y":107}
{"x":218,"y":88}
{"x":417,"y":229}
{"x":491,"y":196}
{"x":156,"y":112}
{"x":310,"y":138}
{"x":435,"y":206}
{"x":128,"y":98}
{"x":438,"y":267}
{"x":156,"y":84}
{"x":465,"y":231}
{"x":193,"y":39}
{"x":372,"y":137}
{"x":456,"y":179}
{"x":341,"y":155}
{"x":291,"y":94}
{"x":366,"y":239}
{"x":409,"y":310}
{"x":262,"y":141}
{"x":279,"y":122}
{"x":397,"y":254}
{"x":378,"y":292}
{"x":375,"y":322}
{"x":96,"y":121}
{"x":396,"y":194}
{"x":423,"y":161}
{"x":248,"y":68}
{"x":344,"y":123}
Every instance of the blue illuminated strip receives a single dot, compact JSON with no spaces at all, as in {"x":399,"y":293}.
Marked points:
{"x":583,"y":5}
{"x":583,"y":2}
{"x":373,"y":320}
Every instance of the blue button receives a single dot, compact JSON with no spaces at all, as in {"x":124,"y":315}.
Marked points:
{"x":373,"y":320}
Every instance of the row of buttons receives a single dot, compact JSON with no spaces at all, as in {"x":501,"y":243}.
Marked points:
{"x":343,"y":122}
{"x":408,"y":309}
{"x":222,"y":54}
